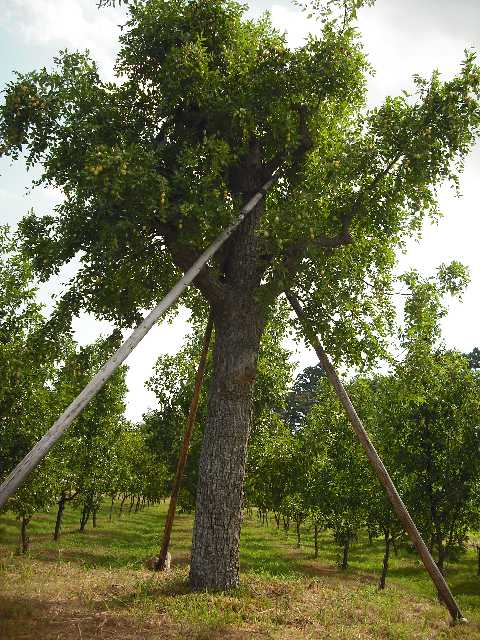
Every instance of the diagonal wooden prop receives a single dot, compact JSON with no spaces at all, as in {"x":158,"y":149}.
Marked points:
{"x":160,"y":565}
{"x":18,"y":476}
{"x":377,"y":464}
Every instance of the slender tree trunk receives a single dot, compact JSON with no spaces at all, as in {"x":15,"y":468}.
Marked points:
{"x":346,"y":548}
{"x":137,"y":506}
{"x":121,"y":506}
{"x":111,"y":508}
{"x":394,"y":545}
{"x":87,"y":508}
{"x":132,"y":502}
{"x":216,"y":534}
{"x":24,"y":535}
{"x":84,"y":519}
{"x":58,"y":522}
{"x":315,"y":537}
{"x":441,"y":563}
{"x":386,"y":556}
{"x":286,"y":524}
{"x":297,"y":523}
{"x":277,"y":519}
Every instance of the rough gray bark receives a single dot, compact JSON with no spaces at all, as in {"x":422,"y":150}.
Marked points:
{"x":239,"y":323}
{"x":216,"y":537}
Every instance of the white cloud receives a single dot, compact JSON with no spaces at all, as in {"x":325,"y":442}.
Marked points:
{"x":294,"y":23}
{"x":74,"y":24}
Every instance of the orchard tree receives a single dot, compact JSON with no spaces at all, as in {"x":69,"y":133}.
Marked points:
{"x":27,"y":370}
{"x":303,"y":395}
{"x":432,"y":420}
{"x":473,"y":358}
{"x":208,"y":103}
{"x":373,"y":398}
{"x":271,"y":467}
{"x":86,"y":458}
{"x":340,"y":478}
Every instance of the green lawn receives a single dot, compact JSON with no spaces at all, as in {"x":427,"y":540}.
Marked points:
{"x":96,"y":585}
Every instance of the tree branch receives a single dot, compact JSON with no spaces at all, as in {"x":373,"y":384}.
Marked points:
{"x":184,"y":256}
{"x":294,"y":253}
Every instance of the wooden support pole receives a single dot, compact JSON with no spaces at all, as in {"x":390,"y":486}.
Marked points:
{"x":18,"y":476}
{"x":377,"y":464}
{"x":161,"y":563}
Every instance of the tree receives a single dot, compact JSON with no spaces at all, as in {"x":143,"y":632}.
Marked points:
{"x":473,"y":358}
{"x":303,"y":395}
{"x":85,"y":460}
{"x":27,"y":369}
{"x":339,"y":475}
{"x":433,"y":413}
{"x":153,"y":167}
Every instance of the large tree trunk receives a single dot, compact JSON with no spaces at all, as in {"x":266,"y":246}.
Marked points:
{"x":239,"y":322}
{"x":216,"y":537}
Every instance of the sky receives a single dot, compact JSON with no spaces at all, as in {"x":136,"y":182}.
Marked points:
{"x":401,"y":38}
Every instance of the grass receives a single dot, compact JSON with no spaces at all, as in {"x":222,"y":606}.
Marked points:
{"x":96,"y":585}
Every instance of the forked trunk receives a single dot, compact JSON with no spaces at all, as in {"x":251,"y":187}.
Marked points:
{"x":216,"y":535}
{"x":87,"y":509}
